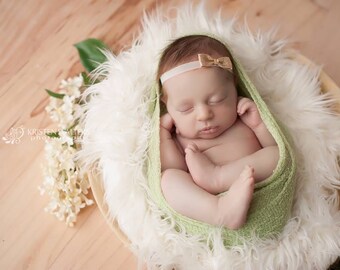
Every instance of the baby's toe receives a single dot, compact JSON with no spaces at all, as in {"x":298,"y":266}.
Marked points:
{"x":247,"y":172}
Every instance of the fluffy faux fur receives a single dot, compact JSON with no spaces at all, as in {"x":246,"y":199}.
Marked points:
{"x":117,"y":127}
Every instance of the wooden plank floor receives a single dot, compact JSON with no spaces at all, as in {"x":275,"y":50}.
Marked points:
{"x":36,"y":38}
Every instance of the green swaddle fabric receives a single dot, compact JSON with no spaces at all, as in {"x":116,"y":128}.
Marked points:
{"x":272,"y":200}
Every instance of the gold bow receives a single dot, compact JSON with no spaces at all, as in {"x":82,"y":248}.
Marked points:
{"x":223,"y":62}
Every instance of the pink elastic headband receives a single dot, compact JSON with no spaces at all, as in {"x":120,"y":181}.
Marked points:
{"x":204,"y":60}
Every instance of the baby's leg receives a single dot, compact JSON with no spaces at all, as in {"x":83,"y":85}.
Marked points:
{"x":263,"y":161}
{"x":229,"y":210}
{"x":204,"y":173}
{"x":216,"y":179}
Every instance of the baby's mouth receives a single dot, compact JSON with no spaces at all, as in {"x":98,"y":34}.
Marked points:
{"x":209,"y":130}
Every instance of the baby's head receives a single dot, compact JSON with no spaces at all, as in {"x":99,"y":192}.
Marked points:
{"x":202,"y":100}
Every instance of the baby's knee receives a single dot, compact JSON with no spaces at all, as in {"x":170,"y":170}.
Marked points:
{"x":275,"y":154}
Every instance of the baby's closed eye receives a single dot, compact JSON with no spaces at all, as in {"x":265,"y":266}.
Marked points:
{"x":216,"y":100}
{"x":185,"y":109}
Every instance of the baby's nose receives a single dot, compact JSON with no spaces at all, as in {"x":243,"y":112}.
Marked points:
{"x":204,"y":113}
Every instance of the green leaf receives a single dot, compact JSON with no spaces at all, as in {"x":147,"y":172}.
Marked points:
{"x":54,"y":94}
{"x":86,"y":79}
{"x":53,"y":134}
{"x":90,"y":53}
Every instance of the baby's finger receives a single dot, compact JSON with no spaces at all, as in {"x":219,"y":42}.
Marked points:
{"x":241,"y":109}
{"x":187,"y":150}
{"x":244,"y":106}
{"x":192,"y":147}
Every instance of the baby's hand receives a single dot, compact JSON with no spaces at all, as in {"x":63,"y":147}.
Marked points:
{"x":247,"y":110}
{"x":167,"y":122}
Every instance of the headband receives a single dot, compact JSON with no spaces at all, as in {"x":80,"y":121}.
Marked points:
{"x":204,"y":60}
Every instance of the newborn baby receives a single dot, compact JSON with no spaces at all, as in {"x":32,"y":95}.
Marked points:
{"x":211,"y":140}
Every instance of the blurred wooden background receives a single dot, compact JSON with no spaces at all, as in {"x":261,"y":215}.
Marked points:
{"x":36,"y":38}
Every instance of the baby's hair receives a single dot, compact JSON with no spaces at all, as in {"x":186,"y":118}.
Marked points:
{"x":186,"y":49}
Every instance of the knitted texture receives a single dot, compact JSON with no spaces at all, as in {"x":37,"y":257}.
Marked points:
{"x":272,"y":200}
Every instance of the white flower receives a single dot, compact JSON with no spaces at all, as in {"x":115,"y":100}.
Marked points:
{"x":71,"y":86}
{"x":51,"y":206}
{"x":62,"y":182}
{"x":49,"y":181}
{"x":65,"y":138}
{"x":71,"y":218}
{"x":53,"y":109}
{"x":66,"y":111}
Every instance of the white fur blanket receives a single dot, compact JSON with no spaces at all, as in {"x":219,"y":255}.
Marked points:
{"x":117,"y":127}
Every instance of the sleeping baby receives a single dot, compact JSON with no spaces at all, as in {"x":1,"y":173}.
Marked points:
{"x":211,"y":139}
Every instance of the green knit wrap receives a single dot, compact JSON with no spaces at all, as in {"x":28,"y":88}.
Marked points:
{"x":272,"y":200}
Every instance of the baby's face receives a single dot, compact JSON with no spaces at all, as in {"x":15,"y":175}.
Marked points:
{"x":202,"y":102}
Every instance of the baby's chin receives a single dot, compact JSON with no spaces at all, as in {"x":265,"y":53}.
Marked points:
{"x":207,"y":136}
{"x":200,"y":135}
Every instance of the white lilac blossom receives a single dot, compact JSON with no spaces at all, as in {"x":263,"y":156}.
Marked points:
{"x":63,"y":182}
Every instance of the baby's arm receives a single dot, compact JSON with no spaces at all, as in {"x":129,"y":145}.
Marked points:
{"x":249,"y":114}
{"x":171,"y":157}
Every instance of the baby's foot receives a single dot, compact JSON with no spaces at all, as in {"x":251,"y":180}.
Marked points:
{"x":234,"y":205}
{"x":202,"y":170}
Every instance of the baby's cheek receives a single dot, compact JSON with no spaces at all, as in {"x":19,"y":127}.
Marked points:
{"x":187,"y":131}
